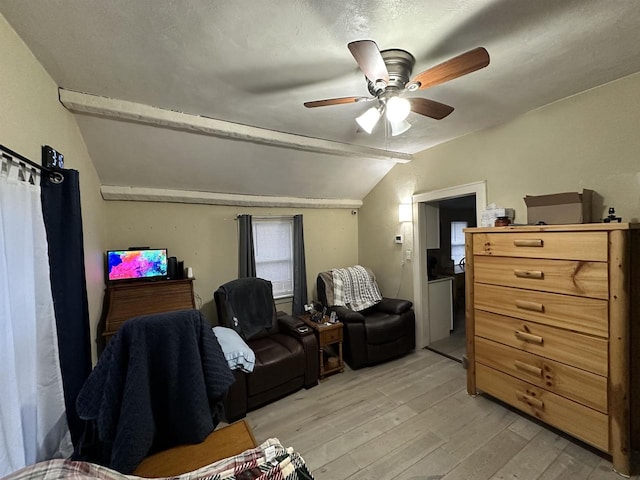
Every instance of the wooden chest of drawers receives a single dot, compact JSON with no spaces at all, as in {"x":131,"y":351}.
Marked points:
{"x":552,"y":327}
{"x":123,"y":301}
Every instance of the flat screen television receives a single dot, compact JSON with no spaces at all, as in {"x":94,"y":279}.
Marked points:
{"x":134,"y":264}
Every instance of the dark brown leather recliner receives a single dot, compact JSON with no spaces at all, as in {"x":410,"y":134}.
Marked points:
{"x":286,"y":351}
{"x":374,"y":335}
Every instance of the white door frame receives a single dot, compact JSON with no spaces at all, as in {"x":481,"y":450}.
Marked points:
{"x":420,"y":287}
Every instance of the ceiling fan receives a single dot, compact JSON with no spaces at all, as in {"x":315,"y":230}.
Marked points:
{"x":388,"y":75}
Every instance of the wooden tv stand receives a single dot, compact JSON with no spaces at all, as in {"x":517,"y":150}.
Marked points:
{"x":123,"y":301}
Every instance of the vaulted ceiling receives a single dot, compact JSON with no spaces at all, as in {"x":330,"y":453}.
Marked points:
{"x":204,"y":96}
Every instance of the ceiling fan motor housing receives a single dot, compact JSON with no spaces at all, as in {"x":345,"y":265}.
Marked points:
{"x":399,"y":63}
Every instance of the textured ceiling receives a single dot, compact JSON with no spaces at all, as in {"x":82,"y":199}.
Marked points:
{"x":255,"y":63}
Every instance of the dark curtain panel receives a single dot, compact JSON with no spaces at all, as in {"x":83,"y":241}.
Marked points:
{"x":299,"y":268}
{"x":63,"y":224}
{"x":246,"y":255}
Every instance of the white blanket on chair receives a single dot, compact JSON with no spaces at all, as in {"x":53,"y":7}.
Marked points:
{"x":353,"y":287}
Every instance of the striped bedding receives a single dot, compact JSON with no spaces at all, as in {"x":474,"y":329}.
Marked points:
{"x":269,"y":461}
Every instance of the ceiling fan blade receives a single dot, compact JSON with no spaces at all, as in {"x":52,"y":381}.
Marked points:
{"x":430,"y":108}
{"x":334,"y":101}
{"x":369,"y":60}
{"x":453,"y":68}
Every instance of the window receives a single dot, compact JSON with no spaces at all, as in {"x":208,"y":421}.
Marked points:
{"x":273,"y":247}
{"x":457,"y":241}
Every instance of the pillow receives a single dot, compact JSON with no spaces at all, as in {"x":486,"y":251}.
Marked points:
{"x":236,"y":351}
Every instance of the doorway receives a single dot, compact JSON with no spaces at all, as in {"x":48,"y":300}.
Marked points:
{"x":439,"y":272}
{"x":446,"y":274}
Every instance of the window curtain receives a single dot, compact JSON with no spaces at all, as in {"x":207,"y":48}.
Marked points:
{"x":299,"y":268}
{"x":246,"y":255}
{"x":63,"y":224}
{"x":33,"y":425}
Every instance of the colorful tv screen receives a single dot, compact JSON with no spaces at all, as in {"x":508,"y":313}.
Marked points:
{"x":135,"y":264}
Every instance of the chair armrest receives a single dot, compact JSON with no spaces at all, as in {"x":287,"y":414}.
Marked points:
{"x":293,"y":326}
{"x":346,"y":315}
{"x":394,"y":306}
{"x":297,"y":328}
{"x":235,"y":402}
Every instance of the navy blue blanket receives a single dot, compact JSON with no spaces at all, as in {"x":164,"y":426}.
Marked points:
{"x":160,"y":382}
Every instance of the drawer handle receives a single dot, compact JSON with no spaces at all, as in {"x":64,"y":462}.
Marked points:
{"x":525,"y":367}
{"x":533,"y":306}
{"x":528,"y":242}
{"x":527,"y":337}
{"x":529,"y":400}
{"x":528,"y":274}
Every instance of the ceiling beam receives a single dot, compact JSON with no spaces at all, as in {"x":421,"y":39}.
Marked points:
{"x":143,"y":194}
{"x":136,"y":112}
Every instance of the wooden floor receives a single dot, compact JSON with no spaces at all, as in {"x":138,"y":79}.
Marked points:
{"x":454,"y":345}
{"x":411,"y":419}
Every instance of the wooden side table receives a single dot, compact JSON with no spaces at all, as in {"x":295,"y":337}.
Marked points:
{"x":327,"y":334}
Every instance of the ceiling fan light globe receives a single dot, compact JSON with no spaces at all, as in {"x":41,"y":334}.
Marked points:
{"x":397,"y":109}
{"x":369,"y":119}
{"x":398,"y":128}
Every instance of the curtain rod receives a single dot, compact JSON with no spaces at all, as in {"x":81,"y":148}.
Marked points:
{"x":275,"y":217}
{"x":54,"y":176}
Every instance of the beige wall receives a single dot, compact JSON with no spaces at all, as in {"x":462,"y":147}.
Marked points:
{"x":32,"y":116}
{"x":206,"y":238}
{"x":589,"y":140}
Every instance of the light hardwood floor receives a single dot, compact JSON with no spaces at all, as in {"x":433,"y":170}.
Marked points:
{"x":412,"y":419}
{"x":454,"y":345}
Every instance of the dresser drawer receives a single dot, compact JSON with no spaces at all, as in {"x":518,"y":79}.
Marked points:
{"x":587,"y":315}
{"x":581,"y":351}
{"x":570,"y":382}
{"x":571,"y":277}
{"x":591,"y":246}
{"x":330,"y":335}
{"x":580,"y":421}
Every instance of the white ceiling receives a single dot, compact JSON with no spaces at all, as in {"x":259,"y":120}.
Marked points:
{"x":254,"y":63}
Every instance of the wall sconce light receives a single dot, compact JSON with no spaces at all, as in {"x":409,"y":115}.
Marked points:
{"x":405,"y":212}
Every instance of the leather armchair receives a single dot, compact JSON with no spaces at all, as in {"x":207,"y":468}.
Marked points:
{"x":374,"y":335}
{"x":286,"y":358}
